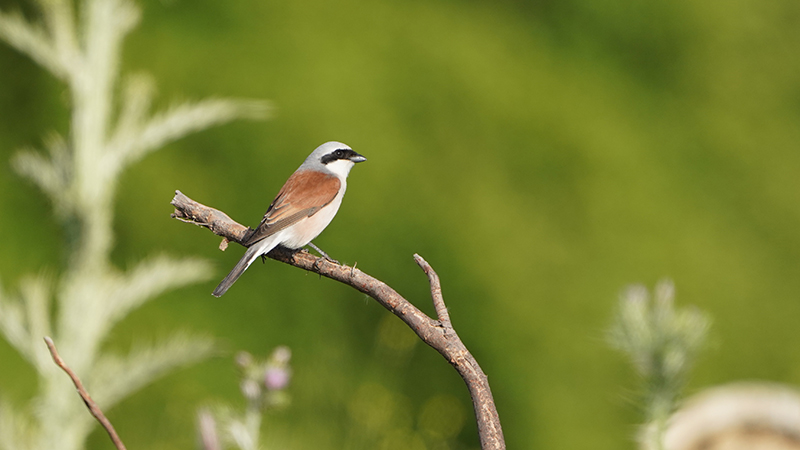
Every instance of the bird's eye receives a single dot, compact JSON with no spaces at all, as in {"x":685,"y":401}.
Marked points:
{"x":339,"y":153}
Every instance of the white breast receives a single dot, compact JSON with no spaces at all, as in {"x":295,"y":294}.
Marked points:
{"x":304,"y":231}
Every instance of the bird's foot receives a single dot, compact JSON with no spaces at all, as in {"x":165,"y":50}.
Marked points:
{"x":324,"y":255}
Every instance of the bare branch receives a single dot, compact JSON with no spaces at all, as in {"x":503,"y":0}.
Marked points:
{"x":93,"y":408}
{"x":438,"y":334}
{"x":188,"y":210}
{"x":436,"y":291}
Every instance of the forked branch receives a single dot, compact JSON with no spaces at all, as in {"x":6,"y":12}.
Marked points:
{"x":438,"y":333}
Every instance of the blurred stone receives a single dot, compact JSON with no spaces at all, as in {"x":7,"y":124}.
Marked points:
{"x":752,"y":416}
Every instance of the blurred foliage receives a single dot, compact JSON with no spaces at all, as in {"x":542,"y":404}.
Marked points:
{"x":263,"y":385}
{"x":662,"y":342}
{"x":541,"y":155}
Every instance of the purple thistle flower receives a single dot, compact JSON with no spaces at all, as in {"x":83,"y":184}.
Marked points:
{"x":277,"y":378}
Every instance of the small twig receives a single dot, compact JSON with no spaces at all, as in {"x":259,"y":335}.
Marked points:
{"x":439,"y":334}
{"x":436,"y":291}
{"x":93,"y":408}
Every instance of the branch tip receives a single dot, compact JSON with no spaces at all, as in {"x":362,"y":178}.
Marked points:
{"x":87,"y":399}
{"x":436,"y":291}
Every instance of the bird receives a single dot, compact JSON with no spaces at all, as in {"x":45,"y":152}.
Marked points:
{"x":305,"y":205}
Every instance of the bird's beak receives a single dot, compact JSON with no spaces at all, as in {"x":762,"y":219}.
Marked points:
{"x":356,"y":158}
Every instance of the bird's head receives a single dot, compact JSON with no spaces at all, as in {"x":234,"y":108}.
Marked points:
{"x":334,"y":157}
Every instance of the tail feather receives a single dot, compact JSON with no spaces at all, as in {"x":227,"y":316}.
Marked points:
{"x":249,"y":256}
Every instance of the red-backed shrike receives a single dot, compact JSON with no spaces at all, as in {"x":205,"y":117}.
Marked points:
{"x":303,"y":208}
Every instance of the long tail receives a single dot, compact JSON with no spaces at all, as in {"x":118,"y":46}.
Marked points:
{"x":250,"y":255}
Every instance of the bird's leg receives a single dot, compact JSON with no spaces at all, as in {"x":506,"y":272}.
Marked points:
{"x":324,"y":255}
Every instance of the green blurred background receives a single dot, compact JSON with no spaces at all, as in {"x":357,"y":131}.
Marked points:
{"x":541,"y":155}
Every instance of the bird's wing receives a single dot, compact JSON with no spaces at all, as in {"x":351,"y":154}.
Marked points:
{"x":303,"y":194}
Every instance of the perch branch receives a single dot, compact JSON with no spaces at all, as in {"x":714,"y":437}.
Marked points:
{"x":438,"y":334}
{"x":93,"y":408}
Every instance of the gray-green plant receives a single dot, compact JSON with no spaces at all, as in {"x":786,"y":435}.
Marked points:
{"x":80,"y":44}
{"x":662,"y":342}
{"x":263,"y":384}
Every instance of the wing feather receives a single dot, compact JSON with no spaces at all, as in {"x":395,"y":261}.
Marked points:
{"x":303,"y":194}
